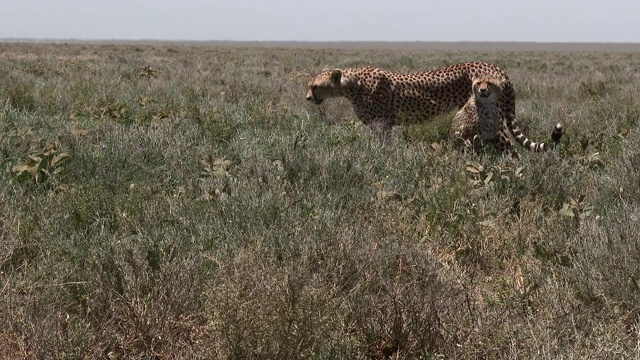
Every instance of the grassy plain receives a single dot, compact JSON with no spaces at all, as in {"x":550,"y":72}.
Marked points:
{"x":184,"y":201}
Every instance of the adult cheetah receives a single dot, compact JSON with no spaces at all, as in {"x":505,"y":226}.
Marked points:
{"x":480,"y":120}
{"x":384,"y":97}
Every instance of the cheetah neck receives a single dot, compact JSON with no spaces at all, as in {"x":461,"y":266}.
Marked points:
{"x":487,"y":108}
{"x":350,"y":83}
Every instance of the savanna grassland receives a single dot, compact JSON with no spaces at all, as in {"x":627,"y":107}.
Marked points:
{"x":182,"y":201}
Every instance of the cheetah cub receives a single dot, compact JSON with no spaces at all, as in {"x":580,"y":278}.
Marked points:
{"x":480,"y":119}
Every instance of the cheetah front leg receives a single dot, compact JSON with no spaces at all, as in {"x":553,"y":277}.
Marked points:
{"x":502,"y":142}
{"x":467,"y":134}
{"x":383,"y":127}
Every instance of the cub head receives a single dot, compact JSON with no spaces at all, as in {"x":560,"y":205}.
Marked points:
{"x":487,"y":88}
{"x":327,"y":84}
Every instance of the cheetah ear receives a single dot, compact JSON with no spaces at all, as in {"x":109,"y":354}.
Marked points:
{"x":336,"y":76}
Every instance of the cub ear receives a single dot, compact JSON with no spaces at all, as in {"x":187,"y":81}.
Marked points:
{"x":336,"y":76}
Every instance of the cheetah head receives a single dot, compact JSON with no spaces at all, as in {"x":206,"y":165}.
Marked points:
{"x":328,"y":84}
{"x":487,"y":88}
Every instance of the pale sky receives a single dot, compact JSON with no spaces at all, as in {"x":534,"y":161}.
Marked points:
{"x":324,"y":20}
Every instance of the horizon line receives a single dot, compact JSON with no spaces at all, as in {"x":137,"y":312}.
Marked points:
{"x":462,"y":45}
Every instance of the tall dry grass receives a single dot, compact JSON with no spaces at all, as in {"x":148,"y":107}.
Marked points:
{"x":189,"y":203}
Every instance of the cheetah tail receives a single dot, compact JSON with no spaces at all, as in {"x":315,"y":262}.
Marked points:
{"x":556,"y":135}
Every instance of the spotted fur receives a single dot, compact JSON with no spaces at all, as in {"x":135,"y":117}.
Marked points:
{"x":386,"y":98}
{"x":480,"y":120}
